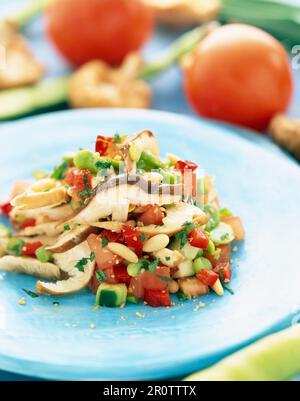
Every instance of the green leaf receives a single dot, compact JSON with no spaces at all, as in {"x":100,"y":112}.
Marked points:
{"x":100,"y":275}
{"x":81,"y":264}
{"x":164,"y":278}
{"x":59,"y":172}
{"x":104,"y":242}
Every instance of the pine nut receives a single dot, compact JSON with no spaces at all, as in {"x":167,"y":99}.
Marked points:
{"x":123,"y":251}
{"x":218,"y":288}
{"x":156,"y":243}
{"x":173,"y":287}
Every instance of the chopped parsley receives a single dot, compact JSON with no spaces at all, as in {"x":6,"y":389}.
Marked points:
{"x":86,"y":182}
{"x":143,"y":237}
{"x":59,"y":172}
{"x":182,"y":238}
{"x":103,"y":164}
{"x":81,"y":264}
{"x":224,"y":237}
{"x":67,"y":228}
{"x":150,"y":266}
{"x":189,"y":226}
{"x":30,"y":293}
{"x":117,"y":138}
{"x":100,"y":275}
{"x":88,"y":192}
{"x":167,"y":258}
{"x":84,"y":261}
{"x":104,"y":242}
{"x":225,"y":286}
{"x":164,"y":278}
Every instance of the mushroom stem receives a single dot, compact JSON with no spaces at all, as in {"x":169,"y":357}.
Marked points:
{"x":182,"y":46}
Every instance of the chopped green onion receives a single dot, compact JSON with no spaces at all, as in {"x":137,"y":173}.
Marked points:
{"x":134,"y":269}
{"x":15,"y":245}
{"x":201,"y":263}
{"x":43,"y":255}
{"x":85,"y":159}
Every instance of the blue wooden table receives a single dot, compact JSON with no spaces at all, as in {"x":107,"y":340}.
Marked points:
{"x":167,"y":88}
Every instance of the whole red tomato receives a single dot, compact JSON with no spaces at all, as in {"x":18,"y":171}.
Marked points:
{"x":241,"y":75}
{"x":84,"y":30}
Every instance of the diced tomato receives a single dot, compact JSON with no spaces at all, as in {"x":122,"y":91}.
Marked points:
{"x":29,"y":248}
{"x":5,"y":208}
{"x":103,"y":143}
{"x":80,"y":180}
{"x":28,"y":223}
{"x":183,"y":166}
{"x":152,"y":215}
{"x":236,"y":225}
{"x":208,"y":277}
{"x":156,"y":298}
{"x":133,"y":239}
{"x":198,"y":238}
{"x":121,"y":275}
{"x":225,"y":268}
{"x":105,"y":259}
{"x":112,"y":237}
{"x":147,"y":280}
{"x":110,"y":278}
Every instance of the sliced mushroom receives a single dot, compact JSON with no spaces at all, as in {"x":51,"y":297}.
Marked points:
{"x":77,"y":280}
{"x":49,"y":229}
{"x":131,"y":189}
{"x":183,"y":13}
{"x":21,"y":68}
{"x":144,"y":140}
{"x":34,"y":200}
{"x":177,"y":215}
{"x":30,"y":266}
{"x":42,"y":215}
{"x":97,"y":84}
{"x":72,"y":238}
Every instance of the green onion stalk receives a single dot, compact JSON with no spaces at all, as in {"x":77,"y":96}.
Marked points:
{"x":281,"y":19}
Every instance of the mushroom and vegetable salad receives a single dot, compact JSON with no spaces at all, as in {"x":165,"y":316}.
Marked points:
{"x":122,"y":222}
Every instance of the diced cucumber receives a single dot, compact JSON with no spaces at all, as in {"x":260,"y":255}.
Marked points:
{"x":189,"y":252}
{"x":4,"y":231}
{"x":111,"y":295}
{"x":185,"y":269}
{"x":43,"y":255}
{"x":222,"y":234}
{"x":134,"y":269}
{"x":15,"y":245}
{"x":132,"y":300}
{"x":200,"y":264}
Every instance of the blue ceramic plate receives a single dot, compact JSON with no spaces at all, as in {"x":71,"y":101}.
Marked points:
{"x":42,"y":340}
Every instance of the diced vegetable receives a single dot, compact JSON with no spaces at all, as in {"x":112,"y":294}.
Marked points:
{"x":134,"y":269}
{"x":184,"y":166}
{"x":184,"y":269}
{"x":156,"y":298}
{"x":104,"y":258}
{"x":103,"y":143}
{"x":208,"y":277}
{"x":149,"y":162}
{"x":152,"y":215}
{"x":5,"y":208}
{"x":198,"y":239}
{"x":15,"y":245}
{"x":222,"y":234}
{"x":111,"y":295}
{"x":121,"y":274}
{"x":43,"y":255}
{"x":84,"y":159}
{"x":132,"y":300}
{"x":133,"y":239}
{"x":189,"y":251}
{"x":201,"y":263}
{"x":28,"y":223}
{"x":135,"y":152}
{"x":214,"y":217}
{"x":236,"y":225}
{"x":29,"y":248}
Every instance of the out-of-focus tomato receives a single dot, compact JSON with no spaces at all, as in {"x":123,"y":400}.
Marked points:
{"x":152,"y":215}
{"x":5,"y":208}
{"x":241,"y":75}
{"x":81,"y":181}
{"x":28,"y":223}
{"x":85,"y":30}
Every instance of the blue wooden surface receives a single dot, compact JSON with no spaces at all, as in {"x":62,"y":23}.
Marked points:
{"x":167,"y":88}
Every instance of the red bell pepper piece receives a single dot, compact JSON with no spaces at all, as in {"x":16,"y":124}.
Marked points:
{"x":121,"y":275}
{"x":225,"y":270}
{"x":28,"y":223}
{"x":133,"y":239}
{"x":198,"y":238}
{"x":208,"y":277}
{"x":102,"y":144}
{"x":5,"y":208}
{"x":29,"y":248}
{"x":157,"y":298}
{"x":183,"y":166}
